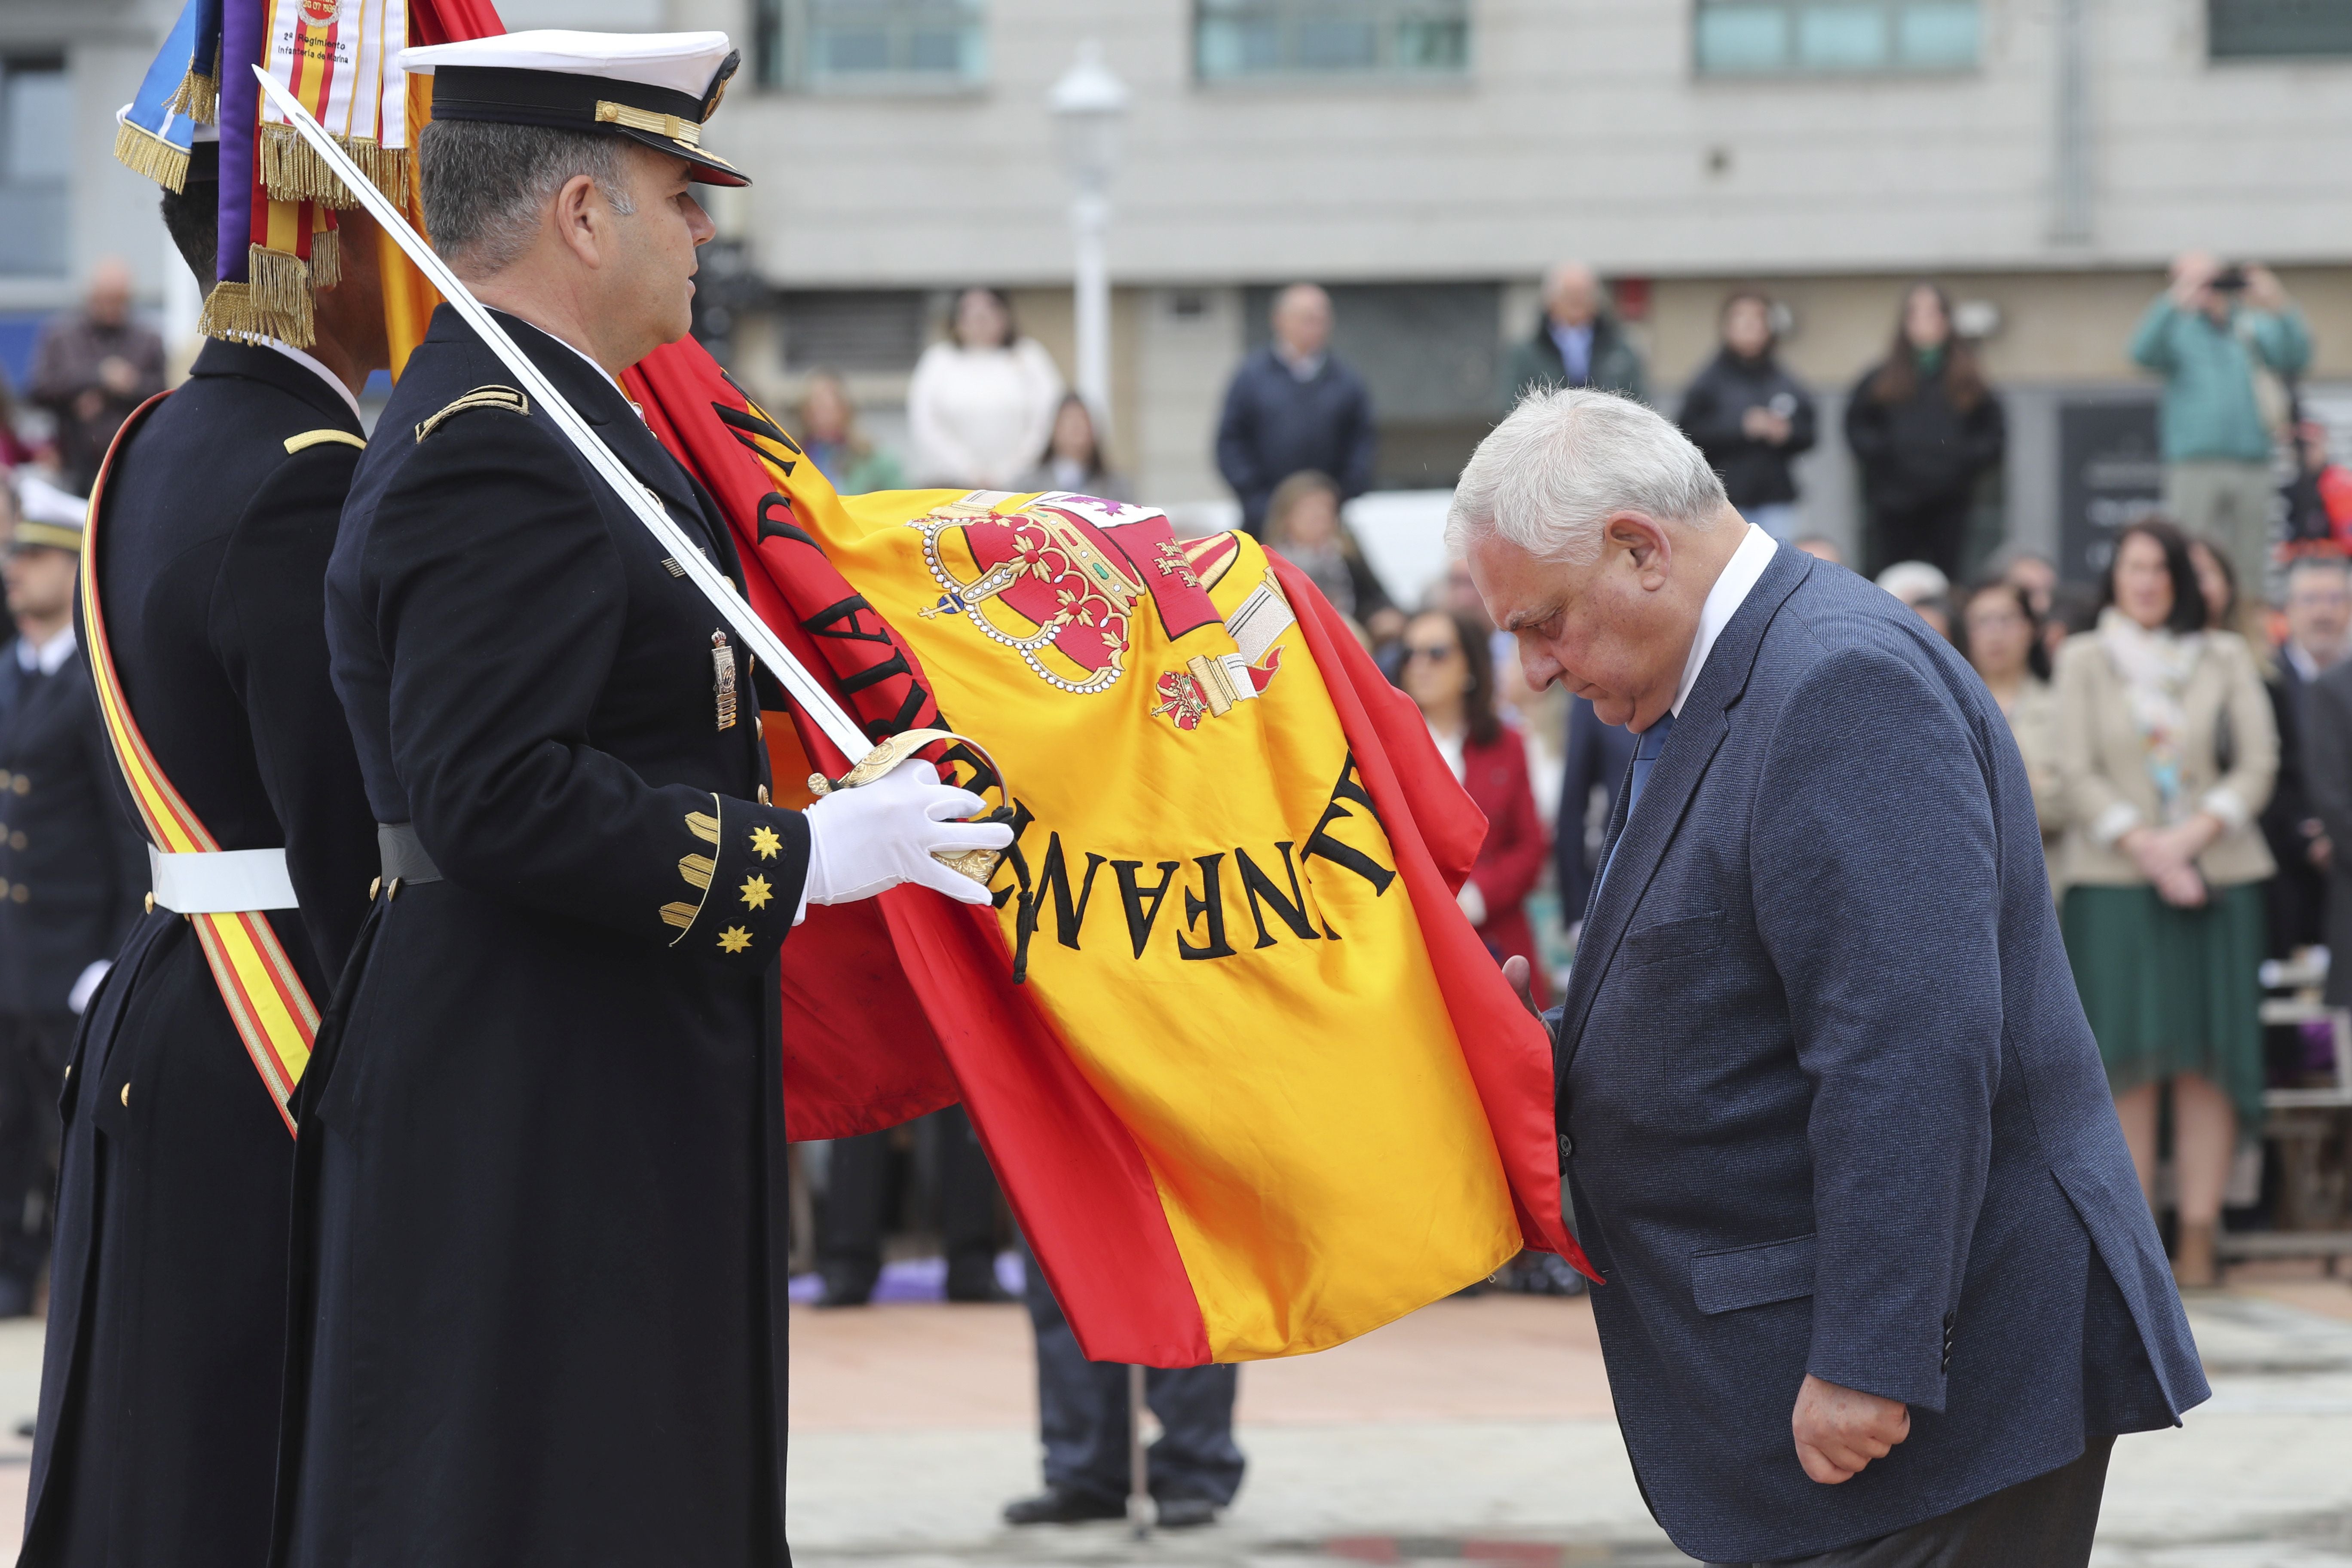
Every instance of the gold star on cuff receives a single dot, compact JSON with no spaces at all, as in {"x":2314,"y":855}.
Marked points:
{"x":756,"y":892}
{"x":734,"y":939}
{"x":765,"y":843}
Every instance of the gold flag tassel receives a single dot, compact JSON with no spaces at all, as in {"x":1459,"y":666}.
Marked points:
{"x":291,"y":172}
{"x":143,"y":152}
{"x":326,"y":253}
{"x":275,"y":304}
{"x":199,"y":95}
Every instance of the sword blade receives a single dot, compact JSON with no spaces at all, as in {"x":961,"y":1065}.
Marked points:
{"x":804,"y":689}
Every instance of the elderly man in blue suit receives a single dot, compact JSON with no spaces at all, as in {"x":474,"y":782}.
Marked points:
{"x":1882,"y":1286}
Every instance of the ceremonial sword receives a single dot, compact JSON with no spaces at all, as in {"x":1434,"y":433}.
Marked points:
{"x":871,"y":761}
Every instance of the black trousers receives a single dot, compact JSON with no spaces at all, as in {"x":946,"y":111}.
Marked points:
{"x":857,"y":1192}
{"x":34,"y":1047}
{"x":2045,"y":1522}
{"x":1083,"y":1413}
{"x":1935,"y":533}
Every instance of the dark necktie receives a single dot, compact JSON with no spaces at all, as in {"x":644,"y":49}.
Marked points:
{"x":1645,"y":757}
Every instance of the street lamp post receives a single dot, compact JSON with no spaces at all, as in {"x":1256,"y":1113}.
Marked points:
{"x":1088,"y":105}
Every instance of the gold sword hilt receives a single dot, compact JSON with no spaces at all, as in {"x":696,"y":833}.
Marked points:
{"x":980,"y":864}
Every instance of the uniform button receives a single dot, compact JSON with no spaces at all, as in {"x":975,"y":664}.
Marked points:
{"x":375,"y":888}
{"x":126,"y":1094}
{"x":3,"y":887}
{"x":16,"y":839}
{"x":763,"y":795}
{"x":1567,"y":1148}
{"x":21,"y":784}
{"x":6,"y":778}
{"x":151,"y":903}
{"x":19,"y":893}
{"x":759,"y":730}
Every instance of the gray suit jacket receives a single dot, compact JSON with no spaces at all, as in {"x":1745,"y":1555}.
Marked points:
{"x":1829,"y":1103}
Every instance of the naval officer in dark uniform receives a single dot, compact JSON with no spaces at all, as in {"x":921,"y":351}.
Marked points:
{"x":543,"y":1179}
{"x":161,"y":1386}
{"x":71,"y":874}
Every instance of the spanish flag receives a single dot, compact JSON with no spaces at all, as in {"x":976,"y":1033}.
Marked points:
{"x":1251,"y":1083}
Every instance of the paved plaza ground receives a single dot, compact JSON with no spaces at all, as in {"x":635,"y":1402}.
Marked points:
{"x":1475,"y":1431}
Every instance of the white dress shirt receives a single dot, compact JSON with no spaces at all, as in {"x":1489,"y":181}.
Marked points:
{"x":312,"y":364}
{"x":47,"y":657}
{"x":1723,"y":600}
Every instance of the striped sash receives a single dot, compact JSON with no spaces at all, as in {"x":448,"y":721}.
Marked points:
{"x":266,"y":999}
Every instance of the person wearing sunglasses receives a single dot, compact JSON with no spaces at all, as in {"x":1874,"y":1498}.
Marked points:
{"x":1449,"y":672}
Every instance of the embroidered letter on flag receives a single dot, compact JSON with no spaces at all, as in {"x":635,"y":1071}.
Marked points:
{"x":1252,"y":1084}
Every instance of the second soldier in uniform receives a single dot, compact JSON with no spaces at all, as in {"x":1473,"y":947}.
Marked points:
{"x":161,"y":1387}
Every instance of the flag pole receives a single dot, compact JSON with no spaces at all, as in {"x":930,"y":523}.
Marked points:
{"x":1138,"y":1465}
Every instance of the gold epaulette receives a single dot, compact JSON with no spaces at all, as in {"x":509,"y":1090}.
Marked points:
{"x":505,"y":397}
{"x":310,"y":439}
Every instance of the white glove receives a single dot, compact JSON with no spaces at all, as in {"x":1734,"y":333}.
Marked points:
{"x":1472,"y":902}
{"x":877,"y":835}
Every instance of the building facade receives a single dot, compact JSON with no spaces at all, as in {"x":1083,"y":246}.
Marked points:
{"x":1427,"y":160}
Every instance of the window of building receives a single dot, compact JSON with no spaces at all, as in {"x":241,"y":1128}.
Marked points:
{"x":854,"y":46}
{"x":35,"y":115}
{"x":1235,"y":39}
{"x":852,"y":328}
{"x":1827,"y":37}
{"x":2277,"y":29}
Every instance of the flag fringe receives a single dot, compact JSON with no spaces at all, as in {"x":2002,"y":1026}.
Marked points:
{"x":326,"y":259}
{"x":198,"y":97}
{"x":277,"y":303}
{"x":142,"y":152}
{"x":291,"y":170}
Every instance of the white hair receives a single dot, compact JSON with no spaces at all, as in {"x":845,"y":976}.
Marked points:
{"x":1912,"y":580}
{"x":1567,"y":460}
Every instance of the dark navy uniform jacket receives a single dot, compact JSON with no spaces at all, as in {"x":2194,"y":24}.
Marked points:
{"x":161,"y":1385}
{"x":542,"y":1185}
{"x":71,"y":872}
{"x":1830,"y":1104}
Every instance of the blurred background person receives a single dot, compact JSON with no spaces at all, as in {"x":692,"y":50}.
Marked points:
{"x":1926,"y":588}
{"x":2228,"y":342}
{"x":1073,"y":459}
{"x":1083,"y":1411}
{"x":1924,"y":428}
{"x":866,"y":1177}
{"x":1449,"y":671}
{"x":2001,"y":637}
{"x":1303,"y":524}
{"x":2030,"y":570}
{"x":72,"y":872}
{"x":981,"y":405}
{"x":1821,"y":547}
{"x":829,"y":435}
{"x":1578,"y":342}
{"x":2168,"y":751}
{"x":2319,"y":497}
{"x":2328,"y":774}
{"x":1293,"y":406}
{"x":2318,"y":616}
{"x":1751,"y":417}
{"x":91,"y":368}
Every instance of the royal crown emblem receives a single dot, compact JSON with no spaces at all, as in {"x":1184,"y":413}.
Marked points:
{"x":1058,"y":577}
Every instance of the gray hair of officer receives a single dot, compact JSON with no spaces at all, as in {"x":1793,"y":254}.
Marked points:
{"x":1548,"y":478}
{"x":487,"y":184}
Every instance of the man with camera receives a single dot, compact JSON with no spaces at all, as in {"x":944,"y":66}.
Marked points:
{"x":2229,"y":343}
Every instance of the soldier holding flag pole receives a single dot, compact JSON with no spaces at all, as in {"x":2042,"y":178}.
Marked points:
{"x":539,"y":1237}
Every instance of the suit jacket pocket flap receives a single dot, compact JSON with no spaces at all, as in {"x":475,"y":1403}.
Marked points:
{"x":1684,"y":936}
{"x":1753,"y":1276}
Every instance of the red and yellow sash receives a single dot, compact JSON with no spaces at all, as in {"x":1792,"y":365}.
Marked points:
{"x":266,"y":999}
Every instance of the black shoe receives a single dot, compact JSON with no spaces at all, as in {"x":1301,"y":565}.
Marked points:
{"x":1058,"y":1505}
{"x":975,"y":1282}
{"x":1186,"y":1512}
{"x":846,"y":1291}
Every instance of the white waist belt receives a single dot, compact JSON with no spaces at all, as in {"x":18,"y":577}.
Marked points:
{"x":221,"y":881}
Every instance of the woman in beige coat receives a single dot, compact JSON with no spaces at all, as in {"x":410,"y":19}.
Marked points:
{"x":2168,"y":751}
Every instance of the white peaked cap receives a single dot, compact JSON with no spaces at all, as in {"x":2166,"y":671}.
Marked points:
{"x":679,"y":62}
